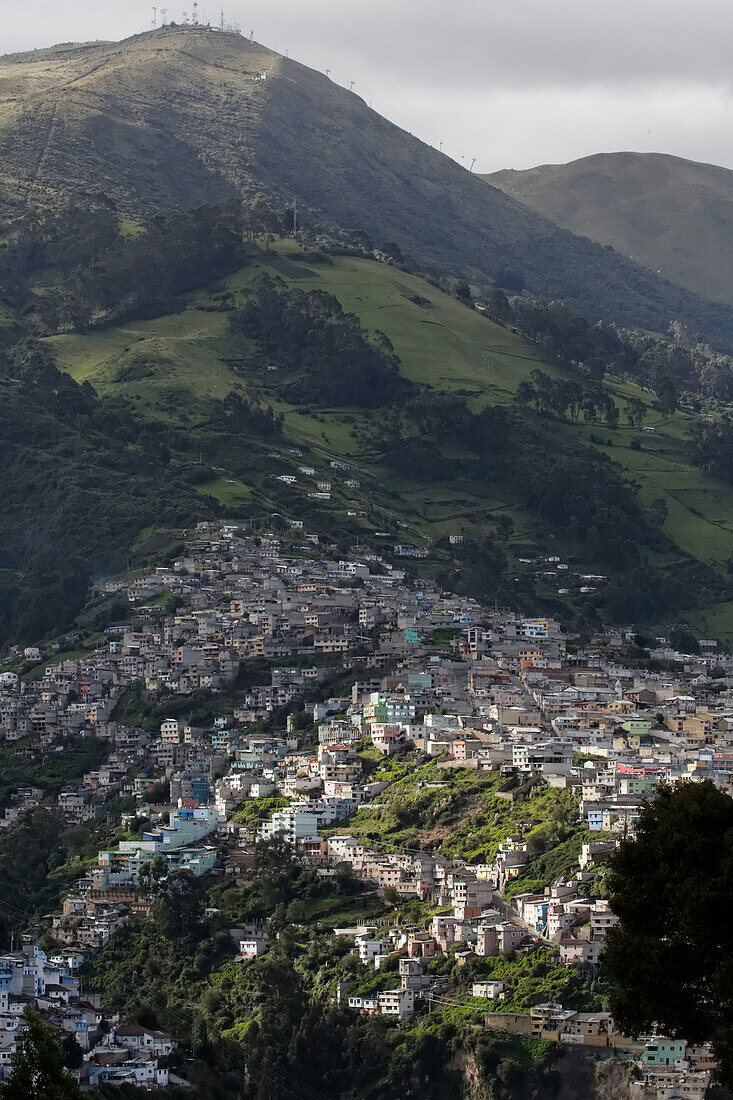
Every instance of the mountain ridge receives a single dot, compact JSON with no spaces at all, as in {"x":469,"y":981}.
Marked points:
{"x":179,"y":116}
{"x":669,"y":213}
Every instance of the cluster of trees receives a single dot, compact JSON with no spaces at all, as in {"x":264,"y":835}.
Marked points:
{"x":641,"y":594}
{"x":646,"y":594}
{"x":478,"y":570}
{"x":39,"y":1066}
{"x":565,"y":337}
{"x":711,"y":443}
{"x":30,"y":850}
{"x":412,"y":435}
{"x":585,"y":499}
{"x":289,"y":1030}
{"x":670,"y":956}
{"x":307,"y":332}
{"x":577,"y":494}
{"x":237,"y":413}
{"x":79,"y":479}
{"x":636,"y":410}
{"x":37,"y":852}
{"x":447,"y":418}
{"x":57,"y":770}
{"x":670,"y":367}
{"x":95,"y":275}
{"x":563,"y":398}
{"x":70,"y":239}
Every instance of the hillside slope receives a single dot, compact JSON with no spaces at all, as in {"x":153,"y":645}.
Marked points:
{"x":673,"y":216}
{"x":441,"y":344}
{"x":170,"y":117}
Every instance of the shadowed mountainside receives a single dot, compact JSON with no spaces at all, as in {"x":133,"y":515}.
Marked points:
{"x":181,"y":115}
{"x":672,"y":215}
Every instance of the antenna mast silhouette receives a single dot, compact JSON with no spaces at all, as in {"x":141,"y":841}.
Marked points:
{"x":155,"y":17}
{"x":195,"y":14}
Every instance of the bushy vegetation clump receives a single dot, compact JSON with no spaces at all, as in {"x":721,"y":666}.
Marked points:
{"x":333,"y":358}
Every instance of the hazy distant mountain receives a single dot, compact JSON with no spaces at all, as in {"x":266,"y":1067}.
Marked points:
{"x":672,"y":215}
{"x":183,"y":115}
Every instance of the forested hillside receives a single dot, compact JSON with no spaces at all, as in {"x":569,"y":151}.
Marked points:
{"x":216,"y":366}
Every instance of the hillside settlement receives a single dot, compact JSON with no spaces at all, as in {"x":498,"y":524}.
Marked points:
{"x":338,"y":682}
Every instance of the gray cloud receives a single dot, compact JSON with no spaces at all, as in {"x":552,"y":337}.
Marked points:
{"x":512,"y":84}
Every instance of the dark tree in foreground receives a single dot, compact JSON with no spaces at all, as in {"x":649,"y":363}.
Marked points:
{"x":39,"y":1066}
{"x":671,"y":955}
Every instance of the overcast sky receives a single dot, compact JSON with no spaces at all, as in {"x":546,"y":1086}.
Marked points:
{"x":512,"y":83}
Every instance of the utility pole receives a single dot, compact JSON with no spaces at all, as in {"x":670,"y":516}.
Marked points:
{"x":472,"y":164}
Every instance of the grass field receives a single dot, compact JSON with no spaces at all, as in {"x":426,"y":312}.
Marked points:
{"x":226,"y":490}
{"x":715,"y":621}
{"x":182,"y":351}
{"x":700,"y":510}
{"x":442,"y":342}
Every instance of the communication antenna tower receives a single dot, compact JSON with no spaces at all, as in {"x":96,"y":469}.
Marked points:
{"x":221,"y":24}
{"x":351,"y":86}
{"x":155,"y":17}
{"x":472,"y":164}
{"x":251,"y":36}
{"x":195,"y":15}
{"x":185,"y":18}
{"x":163,"y":16}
